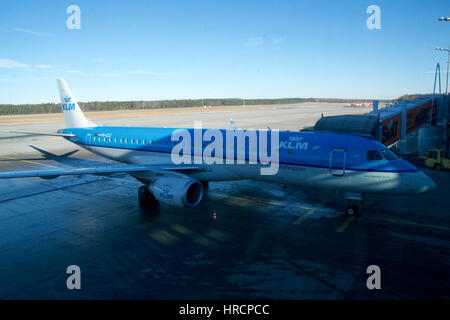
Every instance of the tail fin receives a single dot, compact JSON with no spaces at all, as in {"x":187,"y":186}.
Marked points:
{"x":73,"y":116}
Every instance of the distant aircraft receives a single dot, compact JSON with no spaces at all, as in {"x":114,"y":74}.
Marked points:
{"x":352,"y":164}
{"x":364,"y":104}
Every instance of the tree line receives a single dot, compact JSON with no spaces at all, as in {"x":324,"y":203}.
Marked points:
{"x":11,"y":109}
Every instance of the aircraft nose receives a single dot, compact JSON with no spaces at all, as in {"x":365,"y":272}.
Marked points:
{"x":431,"y":184}
{"x":425,"y":183}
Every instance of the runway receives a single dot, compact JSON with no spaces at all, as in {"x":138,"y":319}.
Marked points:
{"x":269,"y":241}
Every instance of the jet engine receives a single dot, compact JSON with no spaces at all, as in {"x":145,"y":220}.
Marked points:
{"x":177,"y":190}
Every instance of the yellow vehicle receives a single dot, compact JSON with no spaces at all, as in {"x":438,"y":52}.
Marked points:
{"x":435,"y":159}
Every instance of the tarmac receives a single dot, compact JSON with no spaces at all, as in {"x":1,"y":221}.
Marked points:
{"x":269,"y":241}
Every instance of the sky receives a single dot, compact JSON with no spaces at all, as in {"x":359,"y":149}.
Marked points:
{"x":153,"y":50}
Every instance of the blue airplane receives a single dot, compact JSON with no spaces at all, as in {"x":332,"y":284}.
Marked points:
{"x":352,"y":164}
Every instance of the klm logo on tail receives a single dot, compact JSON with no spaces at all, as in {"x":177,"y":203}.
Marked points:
{"x":68,"y":106}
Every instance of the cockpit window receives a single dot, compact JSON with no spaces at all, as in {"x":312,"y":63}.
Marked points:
{"x":374,"y":155}
{"x":389,"y":155}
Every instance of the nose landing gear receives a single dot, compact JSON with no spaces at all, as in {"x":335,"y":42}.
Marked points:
{"x":355,"y":202}
{"x":352,"y":210}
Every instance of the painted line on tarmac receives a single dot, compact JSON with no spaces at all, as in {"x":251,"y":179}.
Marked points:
{"x":345,"y":224}
{"x":259,"y":200}
{"x":302,"y":218}
{"x":416,"y":224}
{"x":32,"y":162}
{"x":270,"y":202}
{"x":50,"y":190}
{"x":147,"y":270}
{"x":310,"y":212}
{"x":311,"y":209}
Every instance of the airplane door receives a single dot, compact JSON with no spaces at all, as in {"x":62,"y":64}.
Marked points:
{"x":337,"y":161}
{"x":88,"y":139}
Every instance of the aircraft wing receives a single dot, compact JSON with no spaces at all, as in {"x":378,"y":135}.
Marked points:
{"x":100,"y":170}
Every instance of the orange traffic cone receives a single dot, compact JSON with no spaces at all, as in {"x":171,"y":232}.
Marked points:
{"x":214,"y":218}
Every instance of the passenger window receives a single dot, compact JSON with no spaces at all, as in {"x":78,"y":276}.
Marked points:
{"x":374,"y":155}
{"x":143,"y":141}
{"x":290,"y":151}
{"x":94,"y":138}
{"x":121,"y":140}
{"x":126,"y":140}
{"x":115,"y":139}
{"x":137,"y":141}
{"x":132,"y":140}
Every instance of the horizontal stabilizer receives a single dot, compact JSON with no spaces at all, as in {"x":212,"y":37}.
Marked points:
{"x":56,"y":134}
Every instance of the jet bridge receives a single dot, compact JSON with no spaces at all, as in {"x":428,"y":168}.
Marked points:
{"x":361,"y":125}
{"x":394,"y":125}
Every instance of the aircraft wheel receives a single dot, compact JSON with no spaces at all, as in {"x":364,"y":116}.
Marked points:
{"x":438,"y":166}
{"x":351,"y":210}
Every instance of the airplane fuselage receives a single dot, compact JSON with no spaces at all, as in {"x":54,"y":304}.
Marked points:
{"x":306,"y":159}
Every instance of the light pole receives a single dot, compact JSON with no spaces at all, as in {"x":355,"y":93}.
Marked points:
{"x":448,"y":62}
{"x":446,"y":85}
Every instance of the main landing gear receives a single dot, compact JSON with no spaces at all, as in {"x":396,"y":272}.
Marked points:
{"x":146,"y":198}
{"x":354,"y":203}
